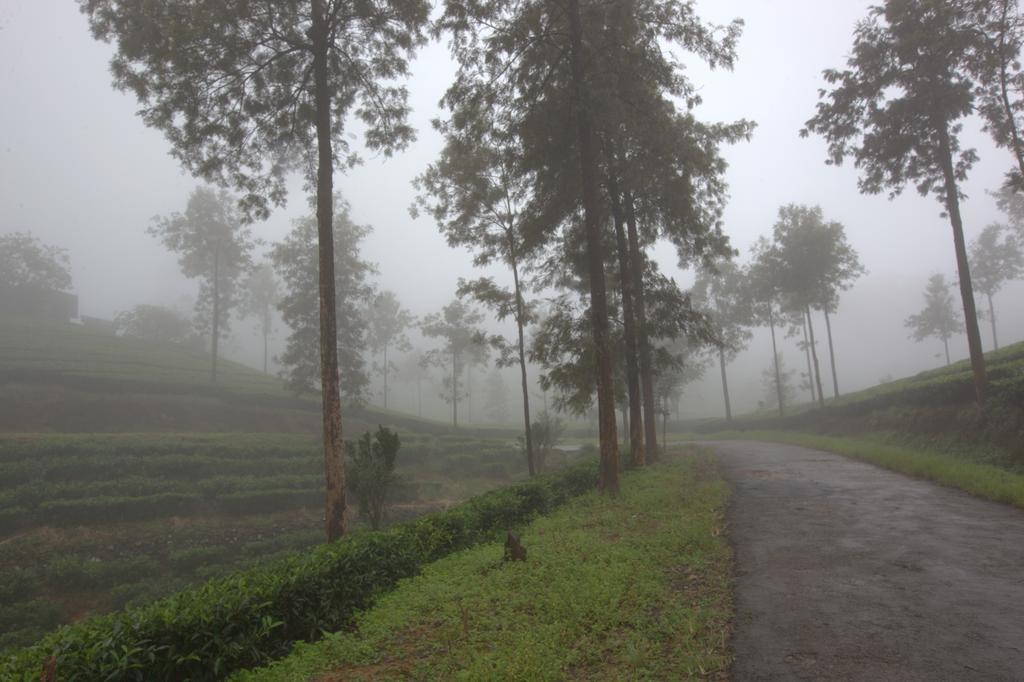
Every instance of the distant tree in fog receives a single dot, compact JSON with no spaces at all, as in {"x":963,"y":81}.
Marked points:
{"x":763,"y":281}
{"x":898,"y":110}
{"x":496,"y":401}
{"x":296,"y":259}
{"x":814,"y":263}
{"x":778,"y":382}
{"x":155,"y":323}
{"x":26,"y":261}
{"x":414,"y":368}
{"x":215,"y":247}
{"x":262,"y":294}
{"x":724,"y":291}
{"x":455,"y":325}
{"x":996,"y":259}
{"x":939,"y":318}
{"x":386,"y":323}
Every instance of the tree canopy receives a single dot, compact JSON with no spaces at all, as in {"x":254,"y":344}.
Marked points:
{"x":898,"y":111}
{"x":27,"y":261}
{"x":938,"y":318}
{"x":296,"y":260}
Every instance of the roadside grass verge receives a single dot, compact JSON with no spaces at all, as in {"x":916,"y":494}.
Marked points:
{"x":977,"y":478}
{"x":632,"y":587}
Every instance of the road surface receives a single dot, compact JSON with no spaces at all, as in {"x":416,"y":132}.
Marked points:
{"x":846,"y":571}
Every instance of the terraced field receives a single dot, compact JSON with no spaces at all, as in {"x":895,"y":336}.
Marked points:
{"x":89,"y":523}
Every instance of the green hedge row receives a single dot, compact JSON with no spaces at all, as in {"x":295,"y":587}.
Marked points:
{"x":252,"y":617}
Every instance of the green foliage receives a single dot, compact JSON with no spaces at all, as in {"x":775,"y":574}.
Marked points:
{"x":296,"y":259}
{"x":546,"y":431}
{"x":464,"y":344}
{"x":939,"y":317}
{"x":249,"y":618}
{"x":370,"y":471}
{"x":26,"y":261}
{"x":231,"y":85}
{"x":214,"y":246}
{"x":154,"y":323}
{"x":630,"y":587}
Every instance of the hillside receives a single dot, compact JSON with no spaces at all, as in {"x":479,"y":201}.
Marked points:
{"x":935,"y":408}
{"x":67,"y":378}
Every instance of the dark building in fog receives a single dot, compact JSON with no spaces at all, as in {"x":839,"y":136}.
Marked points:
{"x":38,"y":303}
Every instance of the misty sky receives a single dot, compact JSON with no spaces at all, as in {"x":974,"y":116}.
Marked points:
{"x":80,"y":170}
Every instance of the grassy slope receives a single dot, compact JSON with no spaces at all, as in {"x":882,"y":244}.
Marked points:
{"x":956,"y":471}
{"x":926,"y":425}
{"x":933,"y":410}
{"x":64,"y":377}
{"x":632,"y":587}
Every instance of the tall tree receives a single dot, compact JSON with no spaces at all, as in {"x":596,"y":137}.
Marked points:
{"x":724,"y":290}
{"x":763,"y":280}
{"x":296,"y":259}
{"x":262,"y":294}
{"x":463,"y":342}
{"x":554,"y":65}
{"x":26,"y":261}
{"x":996,"y":259}
{"x":938,"y":318}
{"x":248,"y":92}
{"x":214,"y":246}
{"x":507,"y":303}
{"x":814,"y":264}
{"x":897,"y":110}
{"x":387,"y":322}
{"x":476,"y":195}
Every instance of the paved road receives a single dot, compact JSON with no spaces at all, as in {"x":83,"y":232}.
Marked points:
{"x":846,"y":571}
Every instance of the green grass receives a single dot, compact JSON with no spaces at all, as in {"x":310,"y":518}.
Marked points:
{"x":68,"y":350}
{"x":956,"y":471}
{"x":633,"y":587}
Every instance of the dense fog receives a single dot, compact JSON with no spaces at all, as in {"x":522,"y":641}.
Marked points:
{"x":81,"y":171}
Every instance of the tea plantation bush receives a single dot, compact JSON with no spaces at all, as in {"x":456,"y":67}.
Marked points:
{"x":246,"y":619}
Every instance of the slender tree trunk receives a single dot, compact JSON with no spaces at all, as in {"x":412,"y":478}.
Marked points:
{"x":266,"y":345}
{"x":455,"y":391}
{"x":807,"y":352}
{"x":385,"y":375}
{"x":419,"y":397}
{"x":775,"y":360}
{"x":992,"y":318}
{"x":831,"y":354}
{"x":334,"y":446}
{"x":725,"y":386}
{"x":963,"y":268}
{"x":945,"y":345}
{"x":216,"y":313}
{"x":637,"y":261}
{"x":664,"y":428}
{"x":814,"y":356}
{"x":609,"y":468}
{"x":625,"y":418}
{"x":520,"y":316}
{"x":636,"y":423}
